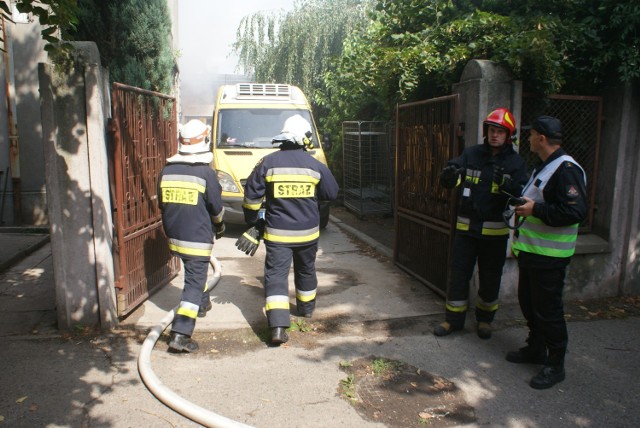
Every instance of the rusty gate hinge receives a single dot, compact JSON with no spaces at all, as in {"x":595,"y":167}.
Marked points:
{"x":112,"y":125}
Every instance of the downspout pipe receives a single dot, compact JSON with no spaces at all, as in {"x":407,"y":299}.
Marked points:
{"x":165,"y":395}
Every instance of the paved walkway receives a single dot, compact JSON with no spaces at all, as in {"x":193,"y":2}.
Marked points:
{"x":85,"y":379}
{"x":16,"y":243}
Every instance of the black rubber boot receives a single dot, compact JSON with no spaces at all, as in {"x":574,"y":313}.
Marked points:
{"x":279,"y":335}
{"x":202,"y":312}
{"x":534,"y":353}
{"x":305,"y":310}
{"x":527,"y":355}
{"x":445,"y":329}
{"x":552,"y":372}
{"x":182,"y":343}
{"x":484,"y":330}
{"x":547,"y":377}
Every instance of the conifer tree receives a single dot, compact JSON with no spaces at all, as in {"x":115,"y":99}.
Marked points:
{"x":134,"y":40}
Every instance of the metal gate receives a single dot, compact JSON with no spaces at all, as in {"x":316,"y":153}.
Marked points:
{"x":428,"y":134}
{"x":581,"y":118}
{"x":143,"y":135}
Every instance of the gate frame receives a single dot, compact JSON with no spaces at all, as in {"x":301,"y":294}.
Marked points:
{"x":123,"y":234}
{"x":456,"y":145}
{"x":592,"y":173}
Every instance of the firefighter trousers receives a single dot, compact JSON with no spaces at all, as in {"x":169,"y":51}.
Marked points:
{"x":193,"y":295}
{"x":276,"y":281}
{"x":540,"y":298}
{"x":490,"y":255}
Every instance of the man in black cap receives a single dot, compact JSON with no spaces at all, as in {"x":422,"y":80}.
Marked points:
{"x":556,"y":204}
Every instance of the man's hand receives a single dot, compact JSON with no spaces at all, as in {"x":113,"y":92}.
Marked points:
{"x":249,"y":242}
{"x":449,"y":177}
{"x":527,"y":209}
{"x":218,"y":229}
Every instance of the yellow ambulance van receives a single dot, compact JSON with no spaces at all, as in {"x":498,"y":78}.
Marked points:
{"x":246,"y":117}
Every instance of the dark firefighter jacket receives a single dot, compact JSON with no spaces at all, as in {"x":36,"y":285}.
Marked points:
{"x":291,"y":182}
{"x":190,"y":200}
{"x":480,"y":201}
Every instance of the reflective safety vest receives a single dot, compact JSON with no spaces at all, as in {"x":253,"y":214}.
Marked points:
{"x":534,"y":236}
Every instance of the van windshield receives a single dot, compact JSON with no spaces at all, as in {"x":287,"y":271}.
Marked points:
{"x":253,"y":128}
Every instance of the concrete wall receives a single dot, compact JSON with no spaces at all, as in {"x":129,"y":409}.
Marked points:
{"x":607,"y":261}
{"x":26,"y":51}
{"x":74,"y":111}
{"x":618,"y":194}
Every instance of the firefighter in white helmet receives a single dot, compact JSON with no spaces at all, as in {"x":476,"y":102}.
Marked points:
{"x":291,"y":182}
{"x":192,"y":214}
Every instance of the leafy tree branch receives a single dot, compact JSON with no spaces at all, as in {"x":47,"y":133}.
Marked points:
{"x":55,"y":16}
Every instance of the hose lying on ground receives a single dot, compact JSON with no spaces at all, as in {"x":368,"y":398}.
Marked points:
{"x":164,"y":394}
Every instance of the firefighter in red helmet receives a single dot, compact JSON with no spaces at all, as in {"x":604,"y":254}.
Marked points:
{"x":484,"y":174}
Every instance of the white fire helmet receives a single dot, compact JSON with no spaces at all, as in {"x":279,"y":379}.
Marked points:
{"x":194,"y":138}
{"x":297,"y":130}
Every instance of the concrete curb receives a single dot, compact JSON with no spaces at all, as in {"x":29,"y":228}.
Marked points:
{"x":380,"y":248}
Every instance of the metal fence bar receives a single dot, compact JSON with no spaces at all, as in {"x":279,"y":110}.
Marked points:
{"x":367,"y":161}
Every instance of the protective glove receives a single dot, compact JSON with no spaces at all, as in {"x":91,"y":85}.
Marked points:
{"x":498,"y":175}
{"x":504,"y":183}
{"x":449,"y":177}
{"x":218,"y":229}
{"x":249,"y":242}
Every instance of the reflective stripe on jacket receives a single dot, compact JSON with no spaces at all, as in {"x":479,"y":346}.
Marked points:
{"x":480,"y":201}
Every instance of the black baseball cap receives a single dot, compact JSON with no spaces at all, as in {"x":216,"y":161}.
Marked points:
{"x":548,"y":126}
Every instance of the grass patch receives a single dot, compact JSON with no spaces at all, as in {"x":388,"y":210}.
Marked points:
{"x":299,"y":324}
{"x":384,"y":367}
{"x":348,"y":388}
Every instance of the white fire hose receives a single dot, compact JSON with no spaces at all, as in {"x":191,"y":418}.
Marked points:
{"x":168,"y":397}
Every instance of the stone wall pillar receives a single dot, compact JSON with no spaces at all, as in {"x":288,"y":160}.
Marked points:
{"x":74,"y":111}
{"x":618,"y":184}
{"x":483,"y":87}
